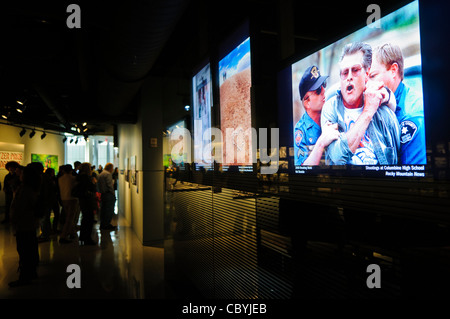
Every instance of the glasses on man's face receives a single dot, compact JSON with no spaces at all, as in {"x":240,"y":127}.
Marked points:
{"x":318,"y":90}
{"x":355,"y":71}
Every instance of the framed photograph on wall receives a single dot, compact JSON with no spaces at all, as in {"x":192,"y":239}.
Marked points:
{"x":48,"y":161}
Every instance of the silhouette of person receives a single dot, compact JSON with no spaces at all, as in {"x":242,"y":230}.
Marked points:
{"x":11,"y":179}
{"x":86,"y":191}
{"x":25,"y":222}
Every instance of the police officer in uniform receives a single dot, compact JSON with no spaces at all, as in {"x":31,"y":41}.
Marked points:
{"x":387,"y":66}
{"x":310,"y":139}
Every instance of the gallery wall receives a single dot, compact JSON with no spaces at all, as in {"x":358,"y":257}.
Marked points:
{"x":9,"y":136}
{"x":141,"y":191}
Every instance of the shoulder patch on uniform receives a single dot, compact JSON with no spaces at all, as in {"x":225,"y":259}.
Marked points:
{"x":407,"y":131}
{"x":298,"y":137}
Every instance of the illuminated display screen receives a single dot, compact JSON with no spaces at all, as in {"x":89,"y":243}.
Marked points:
{"x":202,"y":103}
{"x":235,"y":106}
{"x":358,"y":102}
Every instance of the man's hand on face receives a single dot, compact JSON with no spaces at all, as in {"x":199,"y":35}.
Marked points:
{"x":374,"y":95}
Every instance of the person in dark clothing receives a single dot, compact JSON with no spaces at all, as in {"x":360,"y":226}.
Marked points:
{"x":17,"y":180}
{"x":76,"y":167}
{"x":85,"y":190}
{"x":42,"y":203}
{"x":9,"y":183}
{"x":51,"y":203}
{"x":61,"y":217}
{"x":108,"y":198}
{"x":25,"y":223}
{"x":115,"y":177}
{"x":54,"y":201}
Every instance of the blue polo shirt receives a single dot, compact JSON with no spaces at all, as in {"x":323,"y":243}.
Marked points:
{"x":409,"y":113}
{"x":306,"y":133}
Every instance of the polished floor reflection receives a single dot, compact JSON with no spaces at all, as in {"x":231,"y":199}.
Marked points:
{"x":117,"y":267}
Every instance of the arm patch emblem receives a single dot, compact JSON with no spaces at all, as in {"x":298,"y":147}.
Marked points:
{"x":298,"y":137}
{"x":407,"y":131}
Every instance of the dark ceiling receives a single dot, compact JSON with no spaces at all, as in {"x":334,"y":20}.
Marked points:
{"x":70,"y":76}
{"x":93,"y":74}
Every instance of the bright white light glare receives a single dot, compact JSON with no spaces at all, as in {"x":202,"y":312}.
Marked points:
{"x":187,"y":107}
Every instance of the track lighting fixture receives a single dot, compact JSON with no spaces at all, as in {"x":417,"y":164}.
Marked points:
{"x":32,"y":134}
{"x":64,"y":139}
{"x":21,"y":101}
{"x":22,"y":133}
{"x":5,"y":115}
{"x":43,"y":135}
{"x":20,"y":108}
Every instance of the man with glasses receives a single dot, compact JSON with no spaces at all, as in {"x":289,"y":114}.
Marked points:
{"x":310,"y":139}
{"x":370,"y":133}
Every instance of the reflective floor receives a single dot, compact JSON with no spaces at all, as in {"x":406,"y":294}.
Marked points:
{"x":117,"y":267}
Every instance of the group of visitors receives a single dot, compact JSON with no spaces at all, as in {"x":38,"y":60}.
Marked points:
{"x":32,"y":194}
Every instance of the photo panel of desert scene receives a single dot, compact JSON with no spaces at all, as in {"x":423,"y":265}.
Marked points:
{"x":235,"y":105}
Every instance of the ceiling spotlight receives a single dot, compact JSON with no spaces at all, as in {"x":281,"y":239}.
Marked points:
{"x":186,"y":102}
{"x":20,"y":108}
{"x":64,"y":139}
{"x":71,"y":140}
{"x":22,"y":133}
{"x":5,"y":115}
{"x":43,"y":135}
{"x":76,"y":141}
{"x":32,"y":134}
{"x":21,"y":101}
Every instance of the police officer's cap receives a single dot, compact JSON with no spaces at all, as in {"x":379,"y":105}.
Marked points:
{"x":311,"y":80}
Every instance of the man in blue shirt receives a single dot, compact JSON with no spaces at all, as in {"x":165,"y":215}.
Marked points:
{"x":309,"y":138}
{"x":387,"y":66}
